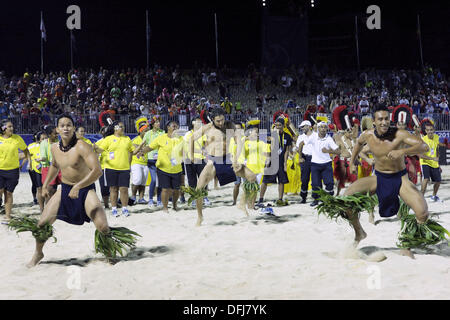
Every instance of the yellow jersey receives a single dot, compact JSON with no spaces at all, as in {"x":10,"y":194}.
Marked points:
{"x":253,"y":155}
{"x":102,"y":156}
{"x":141,"y":160}
{"x":87,"y":141}
{"x":170,"y":153}
{"x":433,"y":144}
{"x":198,"y":146}
{"x":117,"y":151}
{"x":35,"y":152}
{"x":9,"y":151}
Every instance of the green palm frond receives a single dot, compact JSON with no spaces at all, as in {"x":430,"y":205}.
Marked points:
{"x":115,"y":242}
{"x":24,"y":224}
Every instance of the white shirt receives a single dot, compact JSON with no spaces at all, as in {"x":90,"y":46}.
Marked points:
{"x":307,"y":148}
{"x":317,"y":145}
{"x":287,"y":81}
{"x":404,"y":101}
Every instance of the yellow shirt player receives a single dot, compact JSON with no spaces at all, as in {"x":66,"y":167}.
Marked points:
{"x":35,"y":168}
{"x":168,"y":165}
{"x":254,"y":154}
{"x":9,"y":152}
{"x":430,"y":161}
{"x":119,"y":150}
{"x":104,"y":190}
{"x":139,"y":168}
{"x":10,"y":144}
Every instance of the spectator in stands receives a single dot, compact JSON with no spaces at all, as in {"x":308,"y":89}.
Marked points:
{"x":364,"y":105}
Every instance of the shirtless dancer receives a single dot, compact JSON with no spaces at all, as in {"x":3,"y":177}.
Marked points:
{"x":391,"y":177}
{"x":218,"y":160}
{"x":76,"y":202}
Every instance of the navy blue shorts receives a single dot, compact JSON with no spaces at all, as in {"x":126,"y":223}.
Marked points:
{"x":224,"y":170}
{"x":104,"y":190}
{"x":168,"y":180}
{"x":433,"y":173}
{"x":36,"y":178}
{"x":72,"y":210}
{"x":388,"y":190}
{"x":281,"y":176}
{"x":117,"y":178}
{"x":9,"y":179}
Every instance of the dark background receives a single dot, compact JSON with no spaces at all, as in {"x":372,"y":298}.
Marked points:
{"x":182,"y":32}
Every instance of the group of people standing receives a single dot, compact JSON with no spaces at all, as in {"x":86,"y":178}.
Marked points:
{"x":212,"y":149}
{"x":201,"y":154}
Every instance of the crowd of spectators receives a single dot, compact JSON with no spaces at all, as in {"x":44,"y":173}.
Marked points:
{"x":33,"y":99}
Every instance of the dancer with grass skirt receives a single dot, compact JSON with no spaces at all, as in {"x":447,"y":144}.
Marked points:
{"x":76,"y":202}
{"x":218,"y":134}
{"x":391,"y":179}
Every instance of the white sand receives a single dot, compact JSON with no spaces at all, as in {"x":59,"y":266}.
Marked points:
{"x":297,"y":256}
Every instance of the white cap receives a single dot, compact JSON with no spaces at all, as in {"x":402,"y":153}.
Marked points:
{"x":305,"y":123}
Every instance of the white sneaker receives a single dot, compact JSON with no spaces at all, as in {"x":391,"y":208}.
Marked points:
{"x":115,"y":213}
{"x":266,"y":211}
{"x":125,"y":212}
{"x":206,"y":202}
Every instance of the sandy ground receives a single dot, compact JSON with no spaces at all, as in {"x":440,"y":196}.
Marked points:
{"x":295,"y":255}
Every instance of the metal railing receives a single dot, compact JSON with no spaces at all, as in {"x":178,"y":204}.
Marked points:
{"x":32,"y":123}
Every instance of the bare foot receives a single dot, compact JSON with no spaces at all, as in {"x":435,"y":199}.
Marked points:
{"x":35,"y":260}
{"x":371,"y":218}
{"x":199,"y":222}
{"x":165,"y":210}
{"x":243,"y":207}
{"x":407,"y":253}
{"x":359,"y":235}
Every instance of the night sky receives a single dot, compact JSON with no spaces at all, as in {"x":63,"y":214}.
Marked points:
{"x":113,"y":33}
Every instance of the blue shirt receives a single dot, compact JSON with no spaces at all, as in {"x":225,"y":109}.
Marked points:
{"x":3,"y":112}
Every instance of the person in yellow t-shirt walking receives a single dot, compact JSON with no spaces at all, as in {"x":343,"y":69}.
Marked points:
{"x":430,"y":161}
{"x":168,"y":165}
{"x":119,"y":152}
{"x":149,"y":136}
{"x":34,"y":169}
{"x":10,"y":166}
{"x":254,"y":152}
{"x":139,"y":168}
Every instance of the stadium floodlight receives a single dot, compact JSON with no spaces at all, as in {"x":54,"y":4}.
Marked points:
{"x":264,"y":3}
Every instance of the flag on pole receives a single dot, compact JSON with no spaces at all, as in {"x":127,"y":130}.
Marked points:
{"x":72,"y":39}
{"x":148,"y":30}
{"x":43,"y":33}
